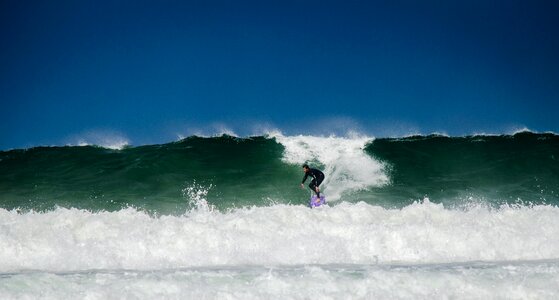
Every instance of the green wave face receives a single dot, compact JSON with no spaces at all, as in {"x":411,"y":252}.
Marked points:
{"x":496,"y":169}
{"x":231,"y":171}
{"x":226,"y":172}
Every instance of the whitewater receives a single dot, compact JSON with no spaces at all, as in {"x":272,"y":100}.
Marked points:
{"x":356,"y":247}
{"x":346,"y":251}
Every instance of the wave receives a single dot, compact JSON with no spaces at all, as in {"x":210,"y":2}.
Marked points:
{"x":505,"y":280}
{"x":499,"y":169}
{"x":280,"y":235}
{"x":266,"y":170}
{"x":224,"y":217}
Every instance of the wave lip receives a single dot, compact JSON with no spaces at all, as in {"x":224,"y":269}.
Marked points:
{"x":102,"y":138}
{"x":344,"y":161}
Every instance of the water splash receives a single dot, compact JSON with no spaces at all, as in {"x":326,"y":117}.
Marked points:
{"x":197,"y":195}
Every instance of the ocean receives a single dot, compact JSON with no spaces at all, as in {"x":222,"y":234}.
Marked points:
{"x":224,"y":217}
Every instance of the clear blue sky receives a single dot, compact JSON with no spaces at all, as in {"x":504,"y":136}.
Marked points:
{"x":149,"y":70}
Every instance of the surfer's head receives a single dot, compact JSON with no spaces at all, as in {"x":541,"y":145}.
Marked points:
{"x":305,"y":167}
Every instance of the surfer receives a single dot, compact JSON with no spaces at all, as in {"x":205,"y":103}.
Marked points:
{"x":317,"y":176}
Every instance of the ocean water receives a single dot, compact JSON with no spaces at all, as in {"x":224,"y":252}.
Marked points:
{"x":224,"y":217}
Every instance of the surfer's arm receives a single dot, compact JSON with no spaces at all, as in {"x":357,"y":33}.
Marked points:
{"x":305,"y":178}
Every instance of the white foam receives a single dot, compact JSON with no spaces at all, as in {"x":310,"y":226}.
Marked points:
{"x":520,"y":129}
{"x":346,"y":165}
{"x":196,"y":194}
{"x":514,"y":130}
{"x":71,"y":239}
{"x":473,"y":281}
{"x":104,"y":138}
{"x":212,"y":130}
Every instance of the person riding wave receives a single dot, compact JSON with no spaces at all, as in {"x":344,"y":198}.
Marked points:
{"x":317,"y":176}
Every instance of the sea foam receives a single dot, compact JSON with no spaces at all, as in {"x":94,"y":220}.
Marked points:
{"x":422,"y":233}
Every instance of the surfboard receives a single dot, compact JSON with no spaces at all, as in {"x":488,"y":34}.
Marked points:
{"x":316,"y":202}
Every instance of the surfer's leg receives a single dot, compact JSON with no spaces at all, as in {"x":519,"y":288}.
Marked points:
{"x":318,"y":182}
{"x":314,"y":188}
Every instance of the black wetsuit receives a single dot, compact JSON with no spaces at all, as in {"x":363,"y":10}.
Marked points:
{"x":317,"y":176}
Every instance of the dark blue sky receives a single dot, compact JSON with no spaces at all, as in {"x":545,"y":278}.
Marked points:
{"x":150,"y":70}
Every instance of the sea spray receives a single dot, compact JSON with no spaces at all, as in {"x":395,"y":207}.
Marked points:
{"x":346,"y":165}
{"x":196,"y":195}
